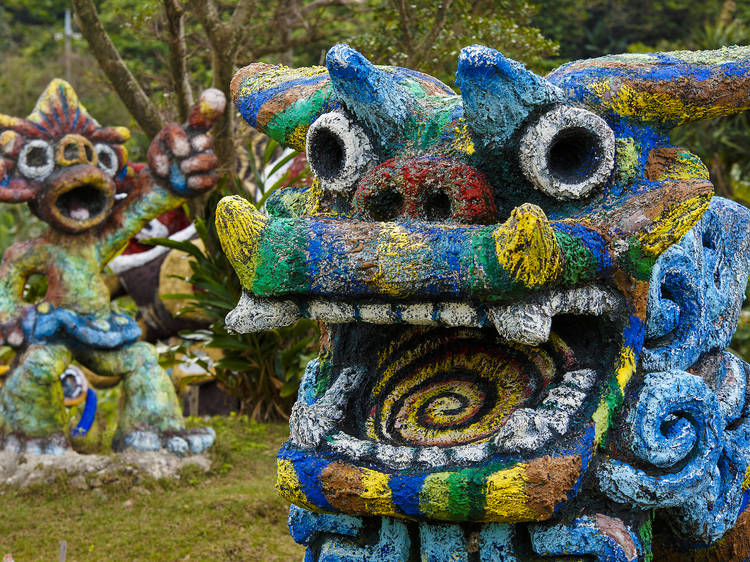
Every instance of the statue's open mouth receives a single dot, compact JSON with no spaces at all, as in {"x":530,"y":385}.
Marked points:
{"x":82,"y":203}
{"x":80,"y":198}
{"x":436,"y":384}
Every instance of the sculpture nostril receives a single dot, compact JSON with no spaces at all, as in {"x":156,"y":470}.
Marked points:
{"x":89,"y":153}
{"x":425,"y":189}
{"x":385,"y":205}
{"x":71,"y":151}
{"x":75,"y":149}
{"x":437,"y":206}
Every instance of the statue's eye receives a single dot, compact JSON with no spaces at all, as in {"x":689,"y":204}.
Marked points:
{"x":107,"y":159}
{"x":36,"y":160}
{"x":339,"y":151}
{"x":568,"y":152}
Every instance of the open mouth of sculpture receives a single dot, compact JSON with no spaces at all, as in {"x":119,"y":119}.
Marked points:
{"x":83,"y":202}
{"x":80,"y":197}
{"x":435,"y":385}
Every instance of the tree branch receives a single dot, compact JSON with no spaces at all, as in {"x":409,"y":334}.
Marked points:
{"x":403,"y":12}
{"x":432,"y":36}
{"x":127,"y":87}
{"x":315,"y":4}
{"x":177,"y":57}
{"x":208,"y":16}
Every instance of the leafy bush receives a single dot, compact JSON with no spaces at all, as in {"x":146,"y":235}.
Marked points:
{"x":262,"y":369}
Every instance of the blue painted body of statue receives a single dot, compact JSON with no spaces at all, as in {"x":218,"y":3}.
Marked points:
{"x":527,"y":293}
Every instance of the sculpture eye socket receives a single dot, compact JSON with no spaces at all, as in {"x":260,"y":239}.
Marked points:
{"x":36,"y":160}
{"x":339,"y":151}
{"x":107,"y":159}
{"x":568,"y":152}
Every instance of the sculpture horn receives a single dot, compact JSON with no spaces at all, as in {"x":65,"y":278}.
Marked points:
{"x":381,"y":96}
{"x":498,"y":94}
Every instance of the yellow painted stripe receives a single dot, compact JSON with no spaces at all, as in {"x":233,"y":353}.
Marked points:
{"x":672,"y":225}
{"x":434,"y":498}
{"x":626,"y":367}
{"x":507,"y":501}
{"x":660,"y":107}
{"x":287,"y":483}
{"x":401,"y":258}
{"x":376,"y":493}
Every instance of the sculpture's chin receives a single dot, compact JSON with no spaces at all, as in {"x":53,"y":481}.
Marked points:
{"x":413,"y":410}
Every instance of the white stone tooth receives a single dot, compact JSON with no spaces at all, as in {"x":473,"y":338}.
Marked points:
{"x":565,"y":398}
{"x":583,"y":379}
{"x":350,"y":447}
{"x":330,"y":311}
{"x":432,"y":457}
{"x":377,"y":313}
{"x":80,"y":214}
{"x":528,"y":324}
{"x":420,"y":314}
{"x":457,"y":314}
{"x":525,"y":430}
{"x":470,"y":453}
{"x":394,"y":456}
{"x":557,"y":421}
{"x":590,"y":300}
{"x":254,"y":315}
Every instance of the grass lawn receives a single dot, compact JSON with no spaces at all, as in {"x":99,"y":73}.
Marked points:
{"x":230,"y":513}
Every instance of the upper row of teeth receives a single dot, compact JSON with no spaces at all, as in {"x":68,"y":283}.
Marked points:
{"x":527,"y":323}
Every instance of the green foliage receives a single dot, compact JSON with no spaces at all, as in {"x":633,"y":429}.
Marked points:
{"x":16,"y":224}
{"x":429,"y":35}
{"x":263,"y":369}
{"x":592,"y":28}
{"x":741,"y":341}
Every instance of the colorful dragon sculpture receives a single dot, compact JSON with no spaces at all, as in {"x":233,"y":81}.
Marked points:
{"x":75,"y":176}
{"x":526,"y":293}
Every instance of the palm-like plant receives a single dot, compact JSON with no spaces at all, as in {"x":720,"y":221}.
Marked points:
{"x":263,"y":369}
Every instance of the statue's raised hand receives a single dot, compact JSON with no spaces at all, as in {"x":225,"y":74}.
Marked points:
{"x":182,"y":155}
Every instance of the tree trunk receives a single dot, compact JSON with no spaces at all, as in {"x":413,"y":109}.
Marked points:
{"x":177,"y":57}
{"x":127,"y":87}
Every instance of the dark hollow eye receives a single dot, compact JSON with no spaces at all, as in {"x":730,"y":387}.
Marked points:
{"x":339,"y":151}
{"x":568,"y":152}
{"x":36,"y":160}
{"x":107,"y":159}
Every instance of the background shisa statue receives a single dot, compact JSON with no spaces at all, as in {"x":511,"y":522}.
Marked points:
{"x":75,"y":176}
{"x":526,"y":293}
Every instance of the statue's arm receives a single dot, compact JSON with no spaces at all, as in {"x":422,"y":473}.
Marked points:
{"x":180,"y":165}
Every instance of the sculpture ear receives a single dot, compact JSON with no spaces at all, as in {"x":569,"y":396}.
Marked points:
{"x":662,"y":89}
{"x":13,"y":188}
{"x":282,"y":102}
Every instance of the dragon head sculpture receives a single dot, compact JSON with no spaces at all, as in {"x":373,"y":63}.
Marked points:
{"x":489,"y":269}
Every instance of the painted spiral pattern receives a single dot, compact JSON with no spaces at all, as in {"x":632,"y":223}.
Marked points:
{"x":443,"y":388}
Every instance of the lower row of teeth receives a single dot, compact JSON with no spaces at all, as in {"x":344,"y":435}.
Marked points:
{"x":525,"y":430}
{"x":527,"y":323}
